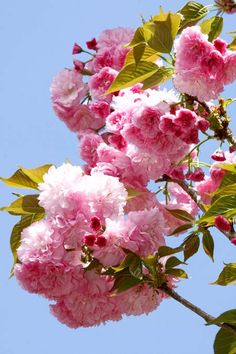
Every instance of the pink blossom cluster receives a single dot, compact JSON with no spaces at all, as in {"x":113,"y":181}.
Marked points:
{"x":127,"y":139}
{"x":202,"y":68}
{"x":87,"y":211}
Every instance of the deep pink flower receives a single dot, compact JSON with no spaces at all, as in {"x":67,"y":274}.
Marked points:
{"x":92,"y":44}
{"x":95,"y":223}
{"x":222,"y":223}
{"x":89,"y":240}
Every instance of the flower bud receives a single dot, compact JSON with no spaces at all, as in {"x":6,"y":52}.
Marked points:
{"x":95,"y":223}
{"x":89,"y":240}
{"x":76,"y":49}
{"x":218,"y":155}
{"x":92,"y":44}
{"x":101,"y":241}
{"x":222,"y":223}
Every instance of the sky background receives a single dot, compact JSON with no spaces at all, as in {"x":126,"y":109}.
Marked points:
{"x":36,"y":40}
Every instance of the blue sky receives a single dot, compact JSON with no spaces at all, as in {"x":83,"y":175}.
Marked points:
{"x":36,"y":41}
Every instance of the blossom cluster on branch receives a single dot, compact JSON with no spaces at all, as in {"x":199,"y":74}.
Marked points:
{"x":96,"y":244}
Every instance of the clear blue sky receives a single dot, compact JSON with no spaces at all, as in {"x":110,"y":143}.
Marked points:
{"x":36,"y":41}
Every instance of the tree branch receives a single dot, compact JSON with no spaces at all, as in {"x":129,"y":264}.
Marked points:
{"x":195,"y":197}
{"x":195,"y":309}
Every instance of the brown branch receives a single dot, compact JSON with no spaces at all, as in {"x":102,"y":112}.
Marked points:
{"x":195,"y":309}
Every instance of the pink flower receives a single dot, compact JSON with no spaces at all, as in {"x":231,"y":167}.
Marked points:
{"x":230,"y":67}
{"x":220,"y":45}
{"x":89,"y":143}
{"x":67,"y":90}
{"x":222,"y":223}
{"x":196,"y":176}
{"x":41,"y":243}
{"x":100,"y":83}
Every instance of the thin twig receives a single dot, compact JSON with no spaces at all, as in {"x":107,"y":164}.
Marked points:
{"x":196,"y":309}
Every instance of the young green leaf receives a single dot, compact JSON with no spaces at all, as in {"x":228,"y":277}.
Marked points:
{"x":192,"y":12}
{"x":25,"y":221}
{"x":149,"y":55}
{"x":123,"y":283}
{"x":166,"y":251}
{"x":181,"y":214}
{"x":162,"y":75}
{"x":191,"y":246}
{"x":226,"y":317}
{"x":213,"y":27}
{"x":19,"y":180}
{"x":181,"y":228}
{"x":208,"y":243}
{"x":163,"y":31}
{"x":137,"y":38}
{"x":232,"y":45}
{"x":172,"y":262}
{"x":28,"y":204}
{"x":228,"y":167}
{"x":132,"y":74}
{"x":177,"y":272}
{"x":227,"y":276}
{"x":225,"y":206}
{"x":225,"y":342}
{"x":36,"y":174}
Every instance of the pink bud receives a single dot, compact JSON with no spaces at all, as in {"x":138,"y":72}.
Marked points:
{"x":92,"y":44}
{"x":101,"y":241}
{"x":118,"y":141}
{"x":95,"y":223}
{"x":218,"y":155}
{"x":232,"y":149}
{"x":196,"y":176}
{"x":76,"y":49}
{"x":233,"y":240}
{"x":89,"y":240}
{"x":78,"y":65}
{"x":176,"y":173}
{"x":203,"y":124}
{"x":222,"y":223}
{"x":220,"y":45}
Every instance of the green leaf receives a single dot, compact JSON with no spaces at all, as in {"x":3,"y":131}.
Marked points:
{"x":162,"y":75}
{"x":228,"y":190}
{"x":181,"y":229}
{"x":132,"y":74}
{"x":177,"y":272}
{"x":191,"y":246}
{"x":149,"y":54}
{"x":225,"y":342}
{"x":137,"y":38}
{"x":173,"y":262}
{"x":133,"y":263}
{"x":163,"y":31}
{"x":226,"y":317}
{"x":166,"y":251}
{"x":150,"y":263}
{"x":192,"y":12}
{"x":138,"y":52}
{"x":208,"y":243}
{"x":28,"y":204}
{"x":181,"y":215}
{"x":229,"y":178}
{"x":123,"y":283}
{"x":25,"y":221}
{"x":232,"y":45}
{"x":228,"y":167}
{"x":27,"y":178}
{"x":213,"y":27}
{"x":132,"y":193}
{"x":225,"y":205}
{"x":19,"y":180}
{"x":227,"y":276}
{"x":36,"y":174}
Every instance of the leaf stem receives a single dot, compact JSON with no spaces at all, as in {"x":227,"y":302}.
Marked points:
{"x":195,"y":309}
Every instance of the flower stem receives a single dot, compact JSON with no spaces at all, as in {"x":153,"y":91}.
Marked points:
{"x":195,"y":309}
